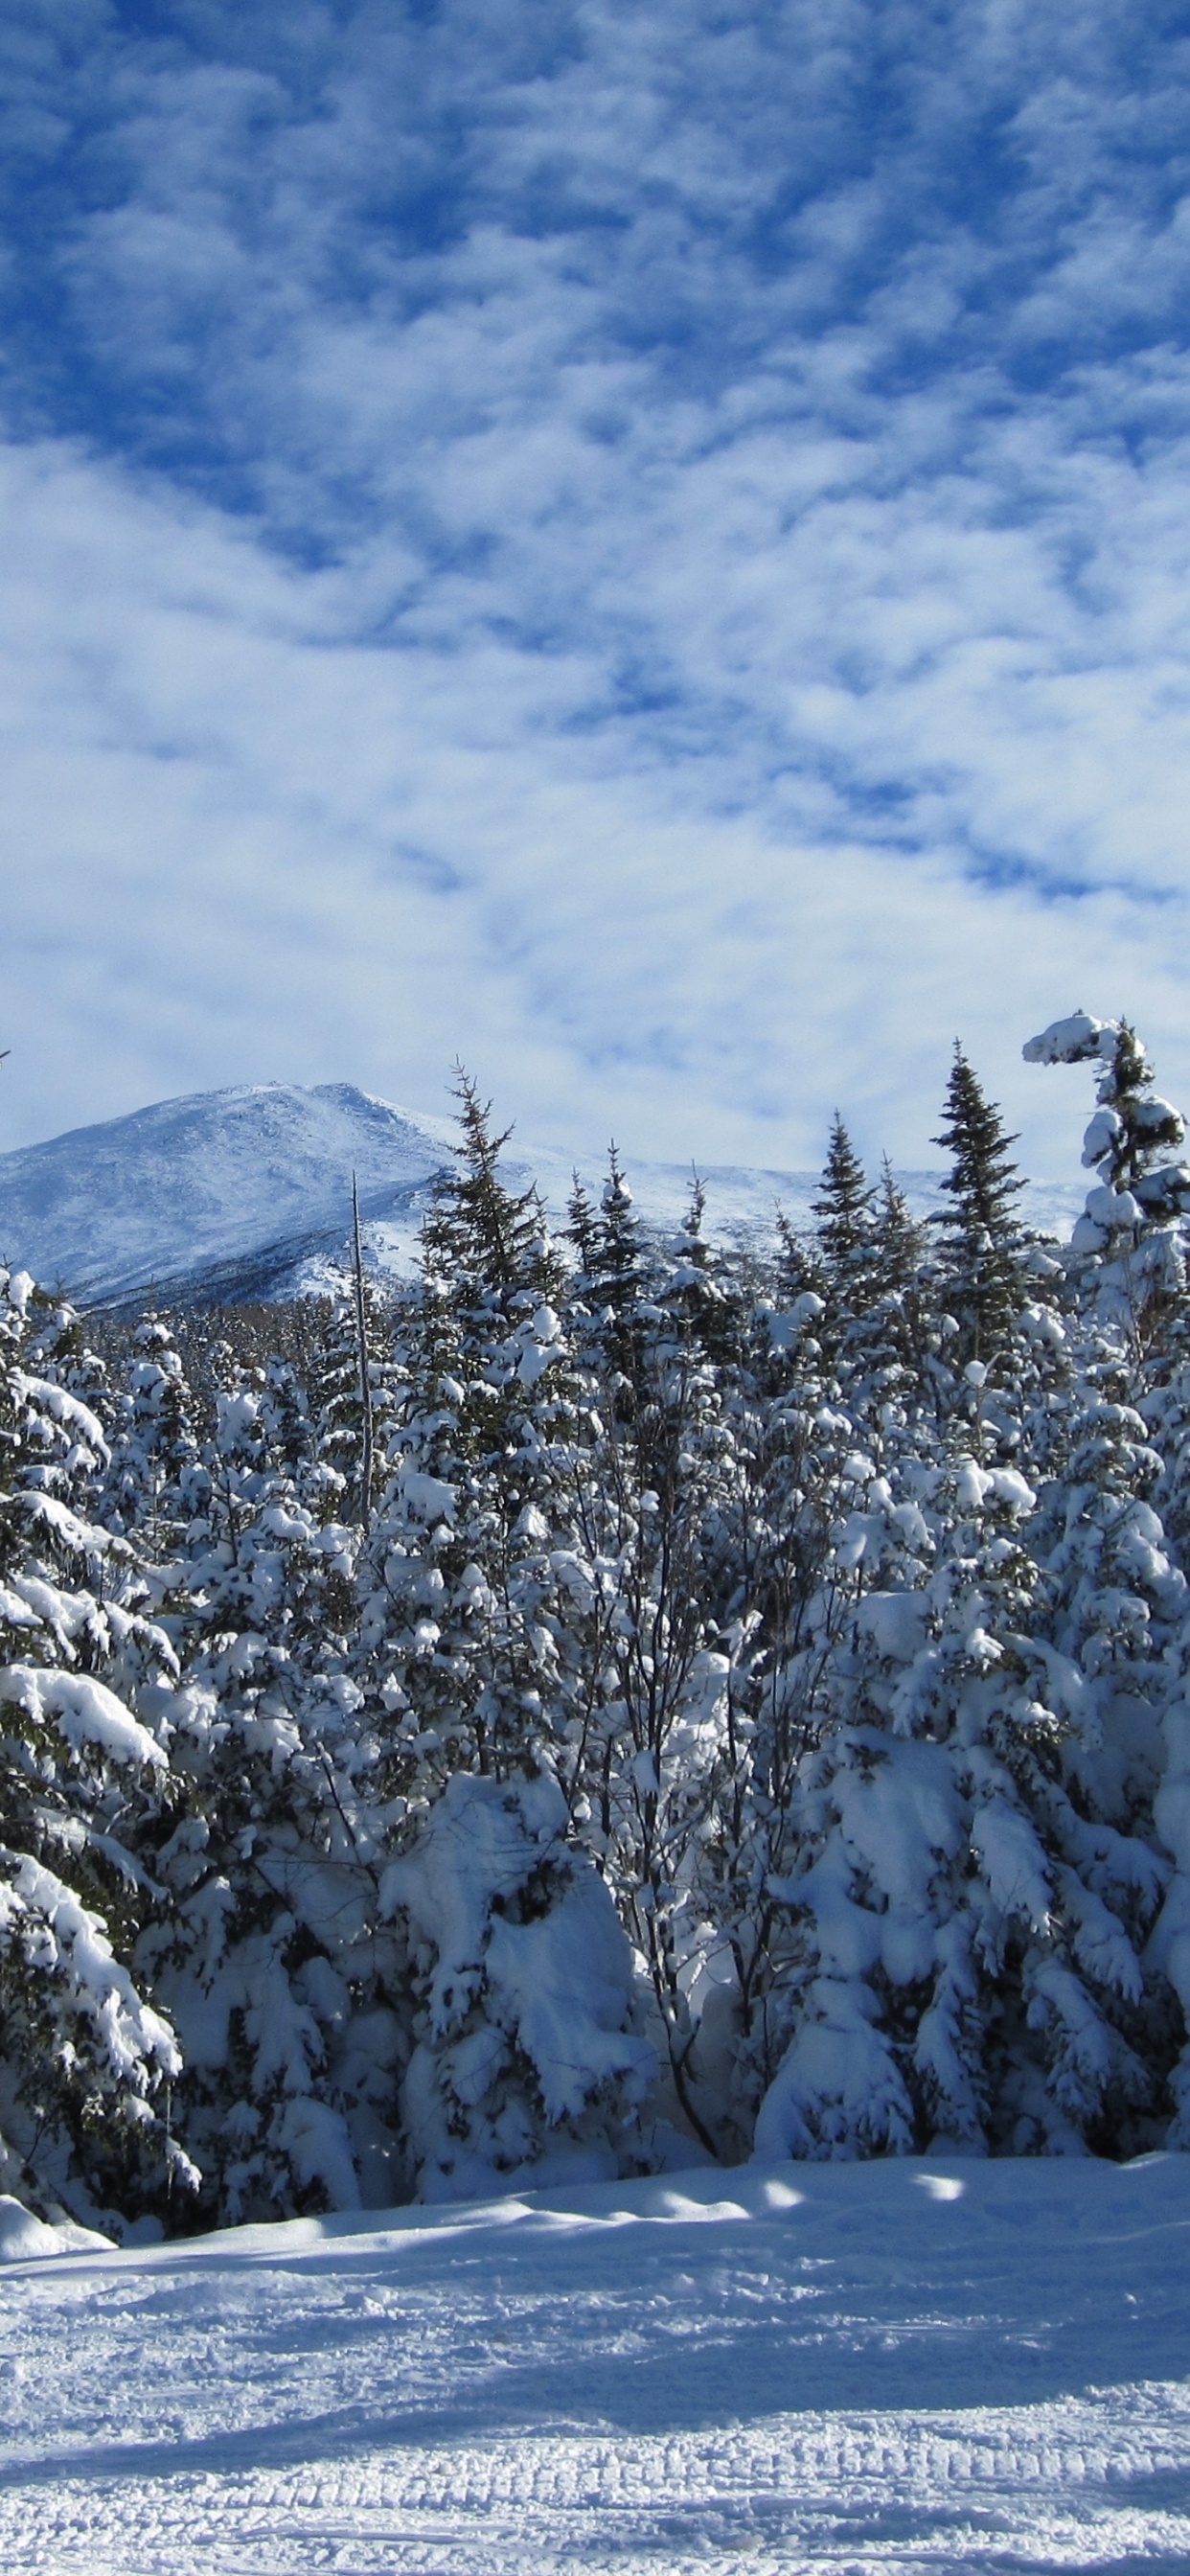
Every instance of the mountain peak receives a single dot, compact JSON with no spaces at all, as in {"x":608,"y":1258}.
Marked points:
{"x":212,"y":1178}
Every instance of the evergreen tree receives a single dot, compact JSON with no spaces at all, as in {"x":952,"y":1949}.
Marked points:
{"x":583,"y":1228}
{"x":353,"y":1415}
{"x":702,"y":1292}
{"x":982,"y":1258}
{"x":1129,"y":1245}
{"x":86,"y":2060}
{"x":515,"y":1939}
{"x":800,"y":1272}
{"x":617,"y":1284}
{"x":844,"y":1212}
{"x":478,"y":1231}
{"x":265,"y":1941}
{"x":154,"y":1484}
{"x":902,"y":1302}
{"x":970,"y":1894}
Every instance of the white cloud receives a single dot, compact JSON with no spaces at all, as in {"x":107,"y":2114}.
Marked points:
{"x":646,"y":551}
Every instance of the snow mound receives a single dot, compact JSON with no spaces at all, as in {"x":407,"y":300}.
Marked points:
{"x":25,"y":2239}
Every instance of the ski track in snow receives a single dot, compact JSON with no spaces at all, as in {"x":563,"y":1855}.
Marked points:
{"x":785,"y":2367}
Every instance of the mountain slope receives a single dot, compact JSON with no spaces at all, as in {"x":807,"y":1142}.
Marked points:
{"x":221,"y":1183}
{"x":246,"y":1193}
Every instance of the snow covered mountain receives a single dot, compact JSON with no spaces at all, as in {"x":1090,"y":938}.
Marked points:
{"x":225,"y":1194}
{"x":246,"y":1193}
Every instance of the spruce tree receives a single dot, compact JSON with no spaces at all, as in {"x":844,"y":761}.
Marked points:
{"x":702,"y":1290}
{"x":514,"y":1939}
{"x":982,"y":1234}
{"x":1128,"y":1247}
{"x":478,"y":1231}
{"x":618,"y":1283}
{"x":583,"y":1227}
{"x":972,"y":1881}
{"x":154,"y":1483}
{"x":353,"y":1415}
{"x":901,"y":1311}
{"x":86,"y":2060}
{"x":844,"y":1209}
{"x":264,"y":1938}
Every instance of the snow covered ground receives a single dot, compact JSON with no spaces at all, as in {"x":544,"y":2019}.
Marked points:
{"x":911,"y":2366}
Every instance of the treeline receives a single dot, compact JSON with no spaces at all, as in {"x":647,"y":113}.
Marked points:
{"x":610,"y":1703}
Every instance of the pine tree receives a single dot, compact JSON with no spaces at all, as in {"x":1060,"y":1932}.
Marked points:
{"x":617,"y":1285}
{"x":469,"y":1497}
{"x":478,"y":1231}
{"x":86,"y":2059}
{"x":515,"y":1938}
{"x":702,"y":1291}
{"x":970,"y":1895}
{"x":788,"y":1350}
{"x":154,"y":1485}
{"x":844,"y":1211}
{"x":265,"y":1941}
{"x":1129,"y":1245}
{"x":981,"y":1230}
{"x":800,"y":1272}
{"x":902,"y":1298}
{"x":647,"y":1736}
{"x":583,"y":1227}
{"x":353,"y":1417}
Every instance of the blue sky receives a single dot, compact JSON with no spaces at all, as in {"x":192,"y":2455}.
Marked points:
{"x":642,"y":546}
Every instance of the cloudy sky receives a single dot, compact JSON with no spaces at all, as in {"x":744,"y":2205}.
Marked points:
{"x":641,"y":544}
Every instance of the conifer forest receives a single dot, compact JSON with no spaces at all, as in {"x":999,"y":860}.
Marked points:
{"x":611,"y":1703}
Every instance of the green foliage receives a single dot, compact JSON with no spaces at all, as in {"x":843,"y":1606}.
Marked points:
{"x":981,"y":1230}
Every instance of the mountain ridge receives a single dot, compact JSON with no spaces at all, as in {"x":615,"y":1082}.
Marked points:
{"x":218,"y":1197}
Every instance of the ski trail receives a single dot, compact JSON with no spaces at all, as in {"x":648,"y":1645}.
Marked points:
{"x":804,"y":2368}
{"x":1099,"y":2485}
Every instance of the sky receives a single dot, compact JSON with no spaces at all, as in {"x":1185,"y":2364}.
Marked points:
{"x":643,"y":547}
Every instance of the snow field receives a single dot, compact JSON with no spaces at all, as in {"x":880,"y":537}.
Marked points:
{"x":857,"y":2367}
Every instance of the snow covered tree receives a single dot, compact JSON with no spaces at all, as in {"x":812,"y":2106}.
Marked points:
{"x":86,"y":2060}
{"x":527,"y":2067}
{"x":967,"y":1908}
{"x":616,"y":1287}
{"x":287,"y":1994}
{"x":154,"y":1483}
{"x":703,"y":1293}
{"x":654,"y":1736}
{"x":477,"y":1229}
{"x":901,"y":1311}
{"x":1129,"y":1477}
{"x":1129,"y":1244}
{"x":582,"y":1227}
{"x":353,"y":1396}
{"x":260,"y":1926}
{"x":453,"y":1561}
